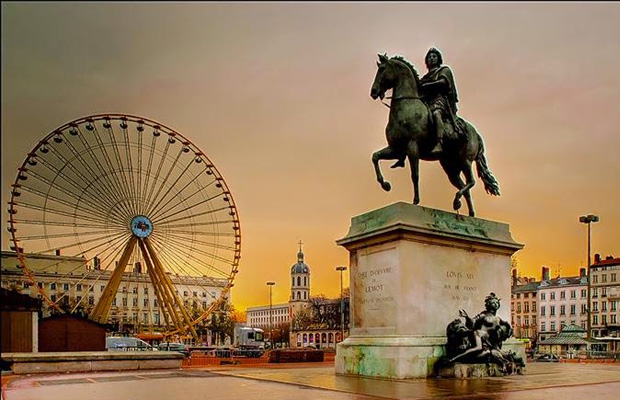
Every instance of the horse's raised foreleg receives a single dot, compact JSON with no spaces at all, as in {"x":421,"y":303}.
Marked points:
{"x":454,"y":175}
{"x":384,"y":154}
{"x":414,"y":164}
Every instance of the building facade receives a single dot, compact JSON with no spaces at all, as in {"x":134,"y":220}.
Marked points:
{"x":605,"y":292}
{"x":78,"y":287}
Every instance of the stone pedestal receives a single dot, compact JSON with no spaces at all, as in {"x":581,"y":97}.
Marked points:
{"x":411,"y":269}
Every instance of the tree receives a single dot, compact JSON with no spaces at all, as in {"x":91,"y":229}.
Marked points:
{"x":301,"y":320}
{"x":221,"y":323}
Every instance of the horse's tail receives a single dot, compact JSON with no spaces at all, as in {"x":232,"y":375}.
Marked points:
{"x":490,"y":183}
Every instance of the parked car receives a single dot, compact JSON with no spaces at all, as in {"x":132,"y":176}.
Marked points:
{"x":547,"y":358}
{"x":180,"y":347}
{"x":127,"y":343}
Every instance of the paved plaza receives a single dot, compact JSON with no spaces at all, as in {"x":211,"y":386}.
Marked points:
{"x":318,"y":381}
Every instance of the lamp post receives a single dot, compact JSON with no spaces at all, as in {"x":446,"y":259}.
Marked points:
{"x":588,"y":219}
{"x":270,"y":284}
{"x":341,"y":269}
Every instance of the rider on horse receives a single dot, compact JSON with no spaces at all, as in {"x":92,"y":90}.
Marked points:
{"x":438,"y":91}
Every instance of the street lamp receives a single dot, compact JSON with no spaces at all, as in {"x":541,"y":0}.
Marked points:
{"x":270,"y":284}
{"x":341,"y":269}
{"x":588,"y":219}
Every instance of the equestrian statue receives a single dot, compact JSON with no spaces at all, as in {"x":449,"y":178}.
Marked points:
{"x":423,"y":125}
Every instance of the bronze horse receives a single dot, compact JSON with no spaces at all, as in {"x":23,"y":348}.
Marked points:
{"x":409,"y":133}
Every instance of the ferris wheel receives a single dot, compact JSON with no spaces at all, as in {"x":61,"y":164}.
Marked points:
{"x":110,"y":195}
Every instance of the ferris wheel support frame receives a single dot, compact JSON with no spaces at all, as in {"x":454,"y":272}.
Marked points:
{"x":102,"y":308}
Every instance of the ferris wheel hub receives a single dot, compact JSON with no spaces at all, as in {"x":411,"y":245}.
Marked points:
{"x":141,"y":226}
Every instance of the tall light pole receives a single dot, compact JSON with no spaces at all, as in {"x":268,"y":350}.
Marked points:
{"x":588,"y":219}
{"x":270,"y":284}
{"x":341,"y":269}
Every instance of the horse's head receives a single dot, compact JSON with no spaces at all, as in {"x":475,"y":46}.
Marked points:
{"x":392,"y":72}
{"x":384,"y":79}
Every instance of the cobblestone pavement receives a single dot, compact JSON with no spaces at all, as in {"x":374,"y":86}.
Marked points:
{"x":541,"y":381}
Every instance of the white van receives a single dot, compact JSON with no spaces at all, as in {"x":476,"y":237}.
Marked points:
{"x":126,"y":343}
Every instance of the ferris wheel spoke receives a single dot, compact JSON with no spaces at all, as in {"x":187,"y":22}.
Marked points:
{"x":139,"y":174}
{"x":171,"y":251}
{"x":190,"y":207}
{"x":181,"y":200}
{"x":58,"y":223}
{"x":181,"y":247}
{"x":116,"y":187}
{"x":148,"y":169}
{"x":83,"y":188}
{"x":157,"y":204}
{"x":60,"y":235}
{"x":119,"y":163}
{"x":164,"y":222}
{"x":58,"y":212}
{"x":105,"y":186}
{"x":159,"y":167}
{"x":132,"y":184}
{"x":154,"y":200}
{"x":105,"y":239}
{"x":202,"y":242}
{"x":47,"y":197}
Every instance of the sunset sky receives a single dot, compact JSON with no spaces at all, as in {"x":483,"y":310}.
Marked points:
{"x":277,"y":95}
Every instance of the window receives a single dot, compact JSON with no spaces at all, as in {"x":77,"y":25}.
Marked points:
{"x":613,"y":305}
{"x":552,"y":295}
{"x":518,"y":307}
{"x":595,"y":292}
{"x":584,"y":293}
{"x":543,"y":326}
{"x":305,"y":294}
{"x":204,"y":305}
{"x":604,"y":278}
{"x":595,"y":319}
{"x":124,"y":289}
{"x":40,"y":285}
{"x":553,"y":327}
{"x":305,"y":281}
{"x":527,"y":307}
{"x":573,"y":309}
{"x":156,"y":318}
{"x":562,"y":309}
{"x":102,"y":288}
{"x":146,"y":302}
{"x":65,"y":286}
{"x":613,"y":319}
{"x":518,"y":295}
{"x":613,"y":276}
{"x":78,"y":287}
{"x":298,"y":281}
{"x":134,"y":290}
{"x":534,"y":320}
{"x":185,"y":293}
{"x":552,"y":312}
{"x":91,"y":301}
{"x":542,"y":311}
{"x":604,"y":292}
{"x":594,"y":278}
{"x":527,"y":321}
{"x":145,"y":318}
{"x":595,"y":306}
{"x":573,"y":294}
{"x":604,"y":319}
{"x":293,"y":282}
{"x":195,"y":294}
{"x":78,"y":299}
{"x":135,"y":302}
{"x":584,"y":309}
{"x":146,"y":290}
{"x":114,"y":301}
{"x":543,"y":296}
{"x":533,"y":306}
{"x":563,"y":295}
{"x":92,"y":288}
{"x":604,"y":306}
{"x":124,"y":301}
{"x":53,"y":297}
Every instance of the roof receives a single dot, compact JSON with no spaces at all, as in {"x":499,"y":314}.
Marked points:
{"x":300,"y":267}
{"x":609,"y":261}
{"x":563,"y":281}
{"x":528,"y":287}
{"x":564,"y":340}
